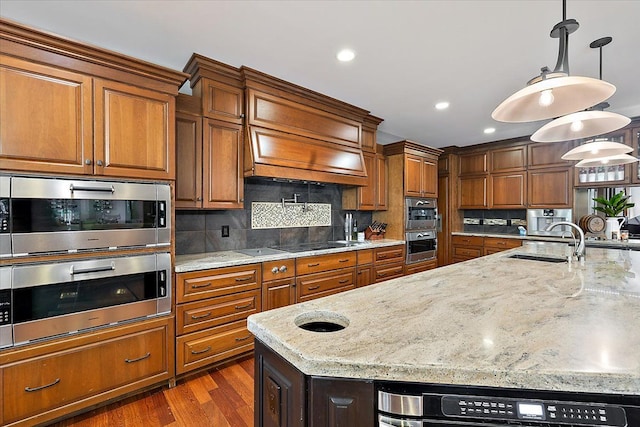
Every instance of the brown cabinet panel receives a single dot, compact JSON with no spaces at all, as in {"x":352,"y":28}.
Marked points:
{"x":373,"y":195}
{"x":420,"y":266}
{"x":546,"y":155}
{"x":364,"y":276}
{"x":318,"y":263}
{"x":335,"y":402}
{"x":413,"y":175}
{"x":496,"y":244}
{"x":473,"y":163}
{"x":222,"y":156}
{"x":39,"y":384}
{"x":203,"y":348}
{"x":125,"y":145}
{"x":429,"y":178}
{"x":508,"y":159}
{"x":281,"y":269}
{"x":47,"y":118}
{"x":278,"y":293}
{"x":381,"y":182}
{"x":509,"y":190}
{"x":550,"y":188}
{"x":473,"y":192}
{"x":197,"y":285}
{"x":222,"y":101}
{"x":318,"y":285}
{"x":388,"y":254}
{"x":193,"y":316}
{"x":367,"y":193}
{"x":188,"y":161}
{"x":388,"y":271}
{"x":467,"y":240}
{"x":365,"y":256}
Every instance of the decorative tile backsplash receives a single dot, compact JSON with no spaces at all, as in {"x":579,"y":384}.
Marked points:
{"x":273,"y":215}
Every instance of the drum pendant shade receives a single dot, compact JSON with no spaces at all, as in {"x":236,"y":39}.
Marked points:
{"x":591,"y":123}
{"x":596,"y":150}
{"x":570,"y":94}
{"x":620,"y":159}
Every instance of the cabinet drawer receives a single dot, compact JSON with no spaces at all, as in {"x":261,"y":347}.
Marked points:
{"x":387,"y":272}
{"x":501,"y":244}
{"x":43,"y":383}
{"x":388,"y":254}
{"x":199,"y":285}
{"x":365,"y":256}
{"x":212,"y":345}
{"x":420,"y":266}
{"x":319,"y":284}
{"x":466,"y":253}
{"x":467,"y":240}
{"x":282,"y":269}
{"x":316,"y":264}
{"x":198,"y":315}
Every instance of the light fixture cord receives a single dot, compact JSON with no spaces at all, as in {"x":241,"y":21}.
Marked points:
{"x":562,"y":64}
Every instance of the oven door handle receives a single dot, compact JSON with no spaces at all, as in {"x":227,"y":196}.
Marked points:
{"x":110,"y":189}
{"x":73,"y":271}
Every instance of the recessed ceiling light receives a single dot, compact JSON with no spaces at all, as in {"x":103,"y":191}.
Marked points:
{"x":489,"y":130}
{"x":346,"y":55}
{"x":442,"y":105}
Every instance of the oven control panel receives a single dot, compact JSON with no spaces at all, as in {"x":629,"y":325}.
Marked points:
{"x":5,"y":307}
{"x":573,"y":413}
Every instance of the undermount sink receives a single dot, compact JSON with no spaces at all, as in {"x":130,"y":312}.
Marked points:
{"x":259,"y":251}
{"x":544,"y":258}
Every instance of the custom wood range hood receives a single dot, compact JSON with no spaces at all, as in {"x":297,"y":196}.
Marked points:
{"x":289,"y":132}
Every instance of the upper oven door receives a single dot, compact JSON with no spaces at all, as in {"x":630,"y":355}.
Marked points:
{"x":53,"y":215}
{"x":420,"y":214}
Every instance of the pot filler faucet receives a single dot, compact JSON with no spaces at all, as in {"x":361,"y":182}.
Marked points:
{"x":579,"y":251}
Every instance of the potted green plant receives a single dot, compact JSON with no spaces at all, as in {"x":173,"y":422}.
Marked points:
{"x":612,"y":208}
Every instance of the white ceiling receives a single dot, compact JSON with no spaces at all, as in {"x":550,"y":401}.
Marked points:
{"x":410,"y":54}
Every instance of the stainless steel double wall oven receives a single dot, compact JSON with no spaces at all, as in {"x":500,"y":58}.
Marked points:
{"x":42,"y":218}
{"x":421,"y":221}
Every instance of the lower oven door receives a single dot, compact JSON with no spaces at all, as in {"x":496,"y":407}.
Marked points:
{"x":421,"y":245}
{"x":67,"y":297}
{"x":387,"y":421}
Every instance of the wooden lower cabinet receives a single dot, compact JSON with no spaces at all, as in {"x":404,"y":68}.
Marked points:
{"x":364,"y":269}
{"x":497,"y":244}
{"x":285,"y":397}
{"x":469,"y":247}
{"x":46,"y":382}
{"x":388,"y":262}
{"x":311,"y":286}
{"x":420,"y":266}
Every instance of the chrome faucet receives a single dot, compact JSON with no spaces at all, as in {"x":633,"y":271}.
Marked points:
{"x":294,"y":200}
{"x":579,"y":251}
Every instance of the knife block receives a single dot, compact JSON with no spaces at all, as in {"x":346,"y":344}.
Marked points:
{"x":373,"y":235}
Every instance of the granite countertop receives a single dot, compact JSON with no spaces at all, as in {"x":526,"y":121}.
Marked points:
{"x":491,"y":321}
{"x":631,"y":243}
{"x":205,"y":261}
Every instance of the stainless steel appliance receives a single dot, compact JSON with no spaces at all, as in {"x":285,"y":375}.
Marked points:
{"x":48,"y":215}
{"x":6,"y":331}
{"x":421,"y":245}
{"x":420,"y":214}
{"x":5,"y":236}
{"x":539,"y":219}
{"x":424,"y":405}
{"x":53,"y":299}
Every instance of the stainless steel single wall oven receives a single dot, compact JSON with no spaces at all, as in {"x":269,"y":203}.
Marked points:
{"x":51,"y":215}
{"x":47,"y":300}
{"x":421,"y":220}
{"x":421,"y":245}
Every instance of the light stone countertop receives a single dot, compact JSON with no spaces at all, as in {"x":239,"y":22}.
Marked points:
{"x":208,"y":260}
{"x":632,"y":243}
{"x":491,"y":321}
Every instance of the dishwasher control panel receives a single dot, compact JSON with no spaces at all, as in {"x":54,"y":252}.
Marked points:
{"x":497,"y":408}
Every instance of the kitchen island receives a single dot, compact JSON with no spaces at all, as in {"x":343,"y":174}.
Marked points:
{"x":494,"y":321}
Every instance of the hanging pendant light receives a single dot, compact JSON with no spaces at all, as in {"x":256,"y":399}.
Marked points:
{"x":554,"y":94}
{"x":620,"y":159}
{"x":596,"y":149}
{"x":583,"y":124}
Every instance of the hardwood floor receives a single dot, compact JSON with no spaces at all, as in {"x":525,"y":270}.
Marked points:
{"x":220,"y":397}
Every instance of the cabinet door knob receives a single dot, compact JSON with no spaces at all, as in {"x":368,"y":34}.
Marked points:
{"x":99,"y":162}
{"x":283,"y":268}
{"x":274,"y":270}
{"x":87,"y":161}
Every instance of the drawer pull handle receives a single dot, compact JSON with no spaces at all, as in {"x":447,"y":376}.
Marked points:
{"x":343,"y":281}
{"x":30,"y":389}
{"x":313,"y":265}
{"x":201,"y":286}
{"x":202,"y":316}
{"x":243,"y":338}
{"x":146,"y":356}
{"x":501,"y":243}
{"x":241,"y":307}
{"x":311,"y":288}
{"x":201,"y":351}
{"x":343,"y":260}
{"x":244,"y":279}
{"x":381,"y":256}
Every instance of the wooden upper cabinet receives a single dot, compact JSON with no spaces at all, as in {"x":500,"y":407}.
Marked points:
{"x":134,"y":131}
{"x":223,"y":186}
{"x":473,"y":192}
{"x":473,"y":164}
{"x":381,"y":182}
{"x":550,"y":188}
{"x":47,"y":118}
{"x":222,"y":101}
{"x":420,"y":176}
{"x":508,"y":159}
{"x":508,"y":190}
{"x":548,"y":155}
{"x":188,"y":160}
{"x":368,"y":140}
{"x":367,"y":193}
